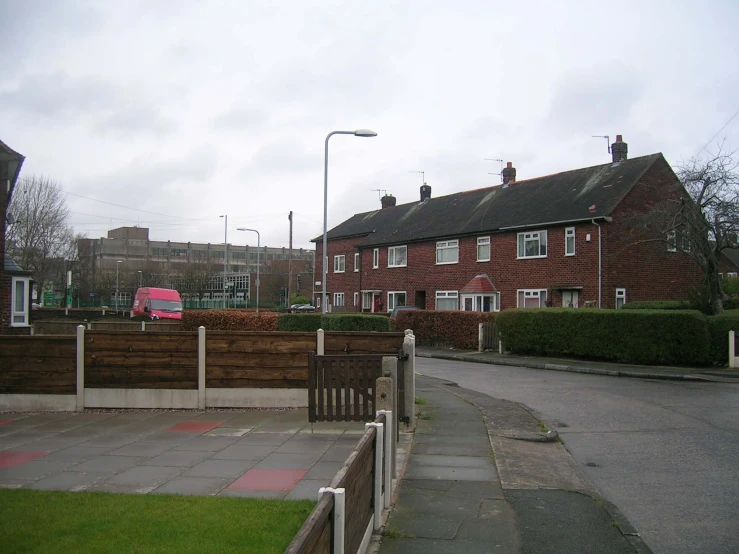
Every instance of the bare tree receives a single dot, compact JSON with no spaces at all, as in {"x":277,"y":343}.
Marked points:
{"x":197,"y":274}
{"x":40,"y":234}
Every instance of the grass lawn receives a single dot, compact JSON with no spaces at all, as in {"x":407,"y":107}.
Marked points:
{"x":40,"y":521}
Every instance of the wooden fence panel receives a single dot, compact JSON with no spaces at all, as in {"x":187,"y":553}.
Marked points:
{"x":358,"y":480}
{"x":136,"y":360}
{"x":359,"y":342}
{"x":236,"y":359}
{"x":38,"y":365}
{"x":316,"y":533}
{"x":342,"y":388}
{"x":56,"y":327}
{"x":62,"y":327}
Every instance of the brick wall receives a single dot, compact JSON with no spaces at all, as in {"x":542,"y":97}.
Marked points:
{"x":4,"y":279}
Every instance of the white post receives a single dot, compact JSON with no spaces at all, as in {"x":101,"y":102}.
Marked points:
{"x":320,"y":343}
{"x":388,"y":469}
{"x":89,"y":325}
{"x":379,"y":448}
{"x":80,"y":368}
{"x":339,"y":516}
{"x":732,"y":345}
{"x":480,"y":336}
{"x":409,"y":348}
{"x":201,"y":368}
{"x":143,"y":325}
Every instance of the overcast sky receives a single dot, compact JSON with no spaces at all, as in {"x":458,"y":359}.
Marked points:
{"x":178,"y":112}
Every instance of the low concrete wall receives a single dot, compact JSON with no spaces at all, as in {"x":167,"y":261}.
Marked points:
{"x":141,"y":398}
{"x":38,"y":402}
{"x":256,"y":398}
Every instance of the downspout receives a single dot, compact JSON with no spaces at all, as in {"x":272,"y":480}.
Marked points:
{"x":360,"y":282}
{"x":600,"y":266}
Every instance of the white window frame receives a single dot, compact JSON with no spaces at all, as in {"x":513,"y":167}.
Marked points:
{"x":569,"y":234}
{"x":671,"y":241}
{"x":356,"y":262}
{"x":391,"y":299}
{"x":620,"y":295}
{"x":20,"y":313}
{"x":541,"y":294}
{"x":338,"y":299}
{"x":483,"y":241}
{"x":478,"y":301}
{"x":356,"y":299}
{"x":443,"y":246}
{"x":392,"y":254}
{"x":375,"y":258}
{"x":339,"y":263}
{"x":523,"y":238}
{"x":445,"y":295}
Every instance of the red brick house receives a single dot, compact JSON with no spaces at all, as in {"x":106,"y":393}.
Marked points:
{"x":15,"y":283}
{"x":561,"y":240}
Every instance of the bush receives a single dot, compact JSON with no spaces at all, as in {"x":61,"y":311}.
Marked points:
{"x":719,"y":327}
{"x":629,"y":336}
{"x":657,"y":305}
{"x":307,"y":323}
{"x":355,"y":322}
{"x":229,"y":320}
{"x":444,"y":329}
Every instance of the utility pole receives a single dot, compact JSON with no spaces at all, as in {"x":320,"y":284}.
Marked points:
{"x":289,"y":261}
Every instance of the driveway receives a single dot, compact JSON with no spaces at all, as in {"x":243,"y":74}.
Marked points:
{"x":666,"y":453}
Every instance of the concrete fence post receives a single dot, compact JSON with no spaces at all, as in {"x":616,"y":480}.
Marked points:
{"x":143,"y":325}
{"x":339,"y":516}
{"x":80,"y":368}
{"x":390,"y":442}
{"x":89,"y":325}
{"x":201,"y":368}
{"x":320,"y":343}
{"x":409,"y":349}
{"x":379,"y":450}
{"x":480,"y":337}
{"x":732,"y":351}
{"x":390,"y":369}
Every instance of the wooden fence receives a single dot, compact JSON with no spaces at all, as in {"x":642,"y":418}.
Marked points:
{"x":30,"y":366}
{"x":62,"y":327}
{"x":488,"y":338}
{"x":733,"y":353}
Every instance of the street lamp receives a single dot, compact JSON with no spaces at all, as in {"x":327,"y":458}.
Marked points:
{"x":141,"y":278}
{"x":117,"y":265}
{"x":225,"y":256}
{"x":357,"y":133}
{"x":259,"y":242}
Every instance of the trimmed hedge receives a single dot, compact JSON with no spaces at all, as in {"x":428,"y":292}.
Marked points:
{"x":629,"y":336}
{"x":306,"y":323}
{"x":719,"y":327}
{"x":444,"y":329}
{"x":657,"y":305}
{"x":355,"y":322}
{"x":229,"y":320}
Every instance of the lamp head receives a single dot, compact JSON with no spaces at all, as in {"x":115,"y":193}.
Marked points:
{"x":364,"y":133}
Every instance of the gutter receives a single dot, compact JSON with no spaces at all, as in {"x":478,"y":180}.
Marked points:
{"x":550,"y":223}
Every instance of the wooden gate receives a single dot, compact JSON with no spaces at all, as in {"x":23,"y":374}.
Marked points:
{"x":342,"y":388}
{"x":489,"y":339}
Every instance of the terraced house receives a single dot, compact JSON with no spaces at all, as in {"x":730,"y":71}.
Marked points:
{"x":568,"y":239}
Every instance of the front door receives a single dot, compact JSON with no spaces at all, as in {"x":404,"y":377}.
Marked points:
{"x":570,"y":298}
{"x":377,"y":304}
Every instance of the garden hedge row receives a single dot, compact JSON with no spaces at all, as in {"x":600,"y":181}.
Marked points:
{"x":242,"y":320}
{"x":657,"y":305}
{"x":670,"y":337}
{"x":443,"y":329}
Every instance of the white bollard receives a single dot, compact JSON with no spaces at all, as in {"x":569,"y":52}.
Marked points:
{"x":80,"y":368}
{"x":379,"y":449}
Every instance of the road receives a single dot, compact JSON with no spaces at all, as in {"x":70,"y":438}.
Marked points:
{"x":665,"y":452}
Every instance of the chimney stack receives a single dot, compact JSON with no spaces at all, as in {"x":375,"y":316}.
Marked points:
{"x":425,"y":192}
{"x":509,"y":174}
{"x":388,"y":201}
{"x":619,"y":150}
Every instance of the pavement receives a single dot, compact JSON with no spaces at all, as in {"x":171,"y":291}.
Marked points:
{"x":256,"y":453}
{"x":715,"y":374}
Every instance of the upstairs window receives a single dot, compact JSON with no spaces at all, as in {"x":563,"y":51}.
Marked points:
{"x":375,"y":258}
{"x":532,"y":245}
{"x":356,"y":262}
{"x":447,"y":252}
{"x":339,"y":263}
{"x":483,"y":249}
{"x":19,"y":316}
{"x":397,"y":256}
{"x":570,"y":241}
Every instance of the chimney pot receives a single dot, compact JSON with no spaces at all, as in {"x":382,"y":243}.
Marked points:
{"x":619,"y":150}
{"x":388,"y":201}
{"x":425,"y":192}
{"x":509,"y":174}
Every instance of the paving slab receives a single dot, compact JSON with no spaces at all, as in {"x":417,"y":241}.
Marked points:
{"x":220,"y":468}
{"x":324,"y":470}
{"x":206,"y":486}
{"x":263,"y":439}
{"x":11,"y":458}
{"x":34,"y":470}
{"x":108,"y":463}
{"x":307,"y":489}
{"x":145,"y":477}
{"x":141,"y":449}
{"x":288,"y":461}
{"x":206,"y":443}
{"x":68,"y":481}
{"x":179,"y":458}
{"x":76,"y":454}
{"x":274,"y":495}
{"x":112,"y":440}
{"x":257,"y":479}
{"x":255,"y":452}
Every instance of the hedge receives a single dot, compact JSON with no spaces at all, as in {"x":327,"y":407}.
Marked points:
{"x":657,"y":305}
{"x":307,"y":323}
{"x":355,"y":322}
{"x":719,"y":327}
{"x":229,"y":320}
{"x":629,"y":336}
{"x":444,"y":329}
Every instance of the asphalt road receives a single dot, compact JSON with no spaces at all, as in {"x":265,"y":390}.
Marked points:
{"x":665,"y":452}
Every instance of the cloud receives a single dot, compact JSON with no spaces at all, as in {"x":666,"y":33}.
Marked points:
{"x":240,"y":119}
{"x":136,"y":120}
{"x":284,"y":155}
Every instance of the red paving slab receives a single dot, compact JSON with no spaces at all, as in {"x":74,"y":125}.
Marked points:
{"x":195,"y":426}
{"x":12,"y":459}
{"x":268,"y":480}
{"x":4,"y":421}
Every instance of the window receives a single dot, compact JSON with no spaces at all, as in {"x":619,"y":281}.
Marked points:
{"x":375,"y":258}
{"x":489,"y":302}
{"x":395,"y":299}
{"x":620,"y":298}
{"x":339,"y":263}
{"x":678,"y":240}
{"x":397,"y":256}
{"x":671,"y":242}
{"x":19,"y":302}
{"x":447,"y":252}
{"x":532,"y":245}
{"x":367,"y":298}
{"x":356,"y":262}
{"x":447,"y":300}
{"x":338,"y":299}
{"x":570,"y":241}
{"x":483,"y":249}
{"x":356,"y":299}
{"x":532,"y":298}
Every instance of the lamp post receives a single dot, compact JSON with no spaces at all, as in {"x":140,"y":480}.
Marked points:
{"x":357,"y":133}
{"x":141,"y":278}
{"x":117,"y":265}
{"x":225,"y":256}
{"x":259,"y":243}
{"x":313,"y":297}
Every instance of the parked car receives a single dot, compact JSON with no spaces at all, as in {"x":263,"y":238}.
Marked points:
{"x":397,"y":309}
{"x":295,"y":308}
{"x":157,"y":303}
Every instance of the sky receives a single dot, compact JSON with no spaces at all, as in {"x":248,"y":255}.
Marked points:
{"x":169,"y":114}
